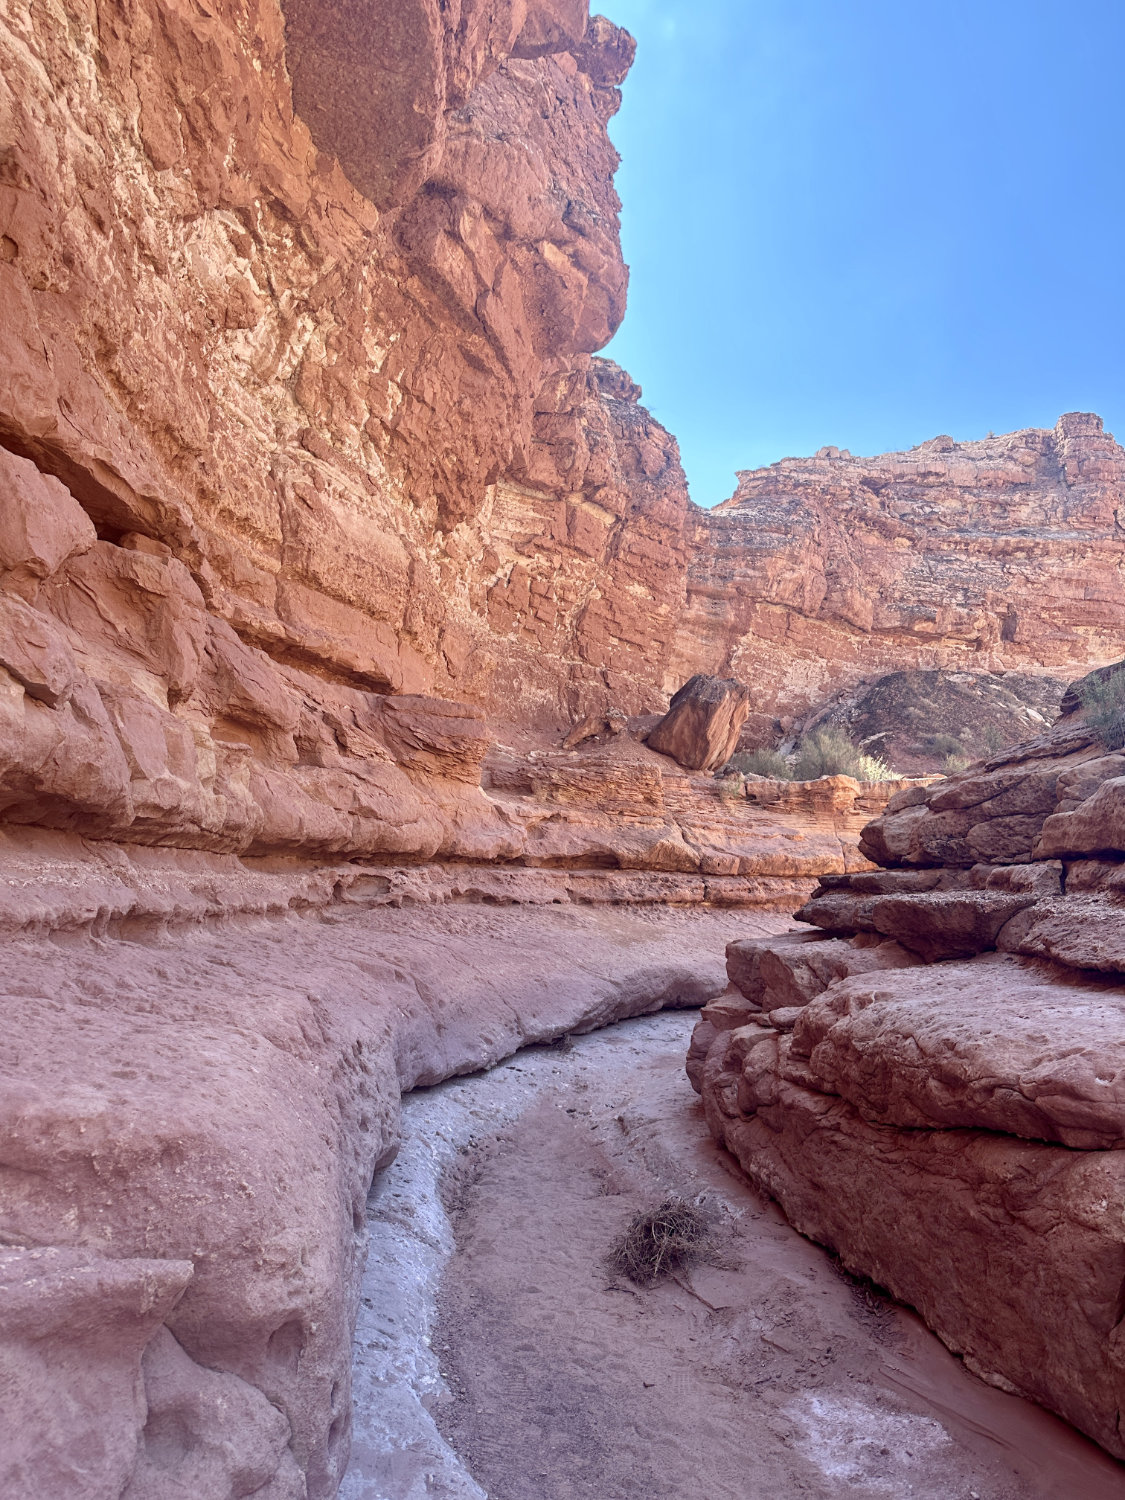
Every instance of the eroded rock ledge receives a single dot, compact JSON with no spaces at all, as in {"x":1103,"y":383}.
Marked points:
{"x":190,"y":1127}
{"x":933,"y":1082}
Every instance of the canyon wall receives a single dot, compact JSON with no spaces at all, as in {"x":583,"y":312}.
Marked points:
{"x":994,"y":556}
{"x":289,"y":450}
{"x":368,"y":428}
{"x":281,"y":459}
{"x":299,"y":411}
{"x":319,"y":522}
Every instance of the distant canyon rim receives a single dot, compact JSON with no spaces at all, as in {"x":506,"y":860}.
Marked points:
{"x":344,"y":594}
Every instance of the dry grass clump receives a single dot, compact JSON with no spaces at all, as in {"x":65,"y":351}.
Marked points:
{"x":825,"y":752}
{"x":769,"y":763}
{"x":659,"y":1241}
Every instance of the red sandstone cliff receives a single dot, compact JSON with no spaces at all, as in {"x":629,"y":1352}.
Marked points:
{"x":273,"y":452}
{"x":328,"y":372}
{"x":371,"y":434}
{"x":989,"y":556}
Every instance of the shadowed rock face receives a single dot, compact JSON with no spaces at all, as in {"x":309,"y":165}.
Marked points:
{"x":919,"y":720}
{"x":893,"y":1114}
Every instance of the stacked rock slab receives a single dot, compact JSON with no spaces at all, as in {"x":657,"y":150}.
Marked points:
{"x":931,"y":1082}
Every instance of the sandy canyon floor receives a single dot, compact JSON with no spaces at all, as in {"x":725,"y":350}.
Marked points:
{"x":497,"y":1355}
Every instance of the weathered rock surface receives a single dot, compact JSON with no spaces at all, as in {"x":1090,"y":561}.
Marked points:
{"x":701,"y":728}
{"x":369,"y":439}
{"x":980,"y":1231}
{"x":190,"y":1129}
{"x":956,"y":1130}
{"x":919,"y":721}
{"x":851,"y":1395}
{"x":823,"y":573}
{"x":309,"y":481}
{"x":320,"y":379}
{"x":999,"y":1046}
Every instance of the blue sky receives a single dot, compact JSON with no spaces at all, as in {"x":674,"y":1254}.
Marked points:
{"x":867,"y":222}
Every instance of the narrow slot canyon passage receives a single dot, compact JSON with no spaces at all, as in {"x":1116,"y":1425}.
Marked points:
{"x":497,"y":1355}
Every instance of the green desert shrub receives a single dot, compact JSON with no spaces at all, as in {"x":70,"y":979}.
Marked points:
{"x":953,"y":765}
{"x":1104,"y":702}
{"x":760,"y":763}
{"x":829,"y":752}
{"x":944,"y":745}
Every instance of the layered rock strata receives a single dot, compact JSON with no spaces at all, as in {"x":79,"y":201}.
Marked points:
{"x":331,"y":369}
{"x":319,"y":376}
{"x":822,"y":573}
{"x":932,"y":1082}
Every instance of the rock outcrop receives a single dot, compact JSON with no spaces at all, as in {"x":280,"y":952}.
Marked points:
{"x":932,"y":1083}
{"x":994,"y":556}
{"x":934,"y":721}
{"x":370,"y":432}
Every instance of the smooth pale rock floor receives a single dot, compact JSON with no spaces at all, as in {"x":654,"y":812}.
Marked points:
{"x":496,"y":1356}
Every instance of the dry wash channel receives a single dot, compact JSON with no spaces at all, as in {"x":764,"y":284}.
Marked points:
{"x":496,"y":1354}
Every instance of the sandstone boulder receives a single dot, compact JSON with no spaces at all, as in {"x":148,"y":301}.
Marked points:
{"x":700,"y":729}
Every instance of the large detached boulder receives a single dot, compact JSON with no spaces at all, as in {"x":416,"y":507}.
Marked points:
{"x":701,"y":727}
